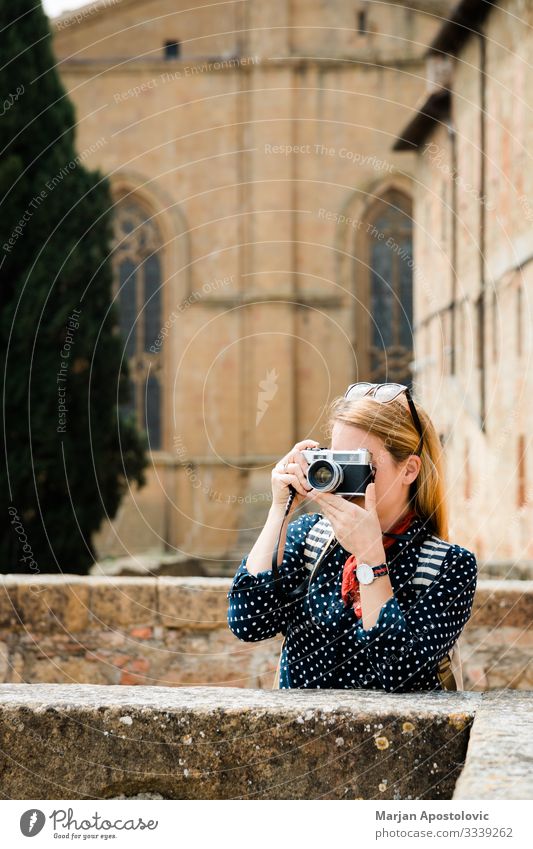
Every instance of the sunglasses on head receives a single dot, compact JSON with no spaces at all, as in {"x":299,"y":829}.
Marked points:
{"x":384,"y":392}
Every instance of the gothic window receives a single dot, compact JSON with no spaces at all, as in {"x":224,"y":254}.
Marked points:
{"x":389,"y":338}
{"x":171,"y":49}
{"x":361,"y":22}
{"x":138,"y":294}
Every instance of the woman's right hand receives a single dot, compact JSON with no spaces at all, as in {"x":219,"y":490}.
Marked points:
{"x":294,"y":474}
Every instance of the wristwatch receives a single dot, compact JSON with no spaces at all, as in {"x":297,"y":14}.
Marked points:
{"x":366,"y":573}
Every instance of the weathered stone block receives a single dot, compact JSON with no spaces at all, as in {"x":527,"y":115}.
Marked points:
{"x":193,"y":602}
{"x":49,"y":603}
{"x":227,"y":743}
{"x":502,"y":603}
{"x":121,"y":602}
{"x":8,"y":607}
{"x":500,"y":749}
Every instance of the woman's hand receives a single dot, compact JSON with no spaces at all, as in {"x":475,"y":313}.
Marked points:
{"x":291,"y":470}
{"x":356,"y":528}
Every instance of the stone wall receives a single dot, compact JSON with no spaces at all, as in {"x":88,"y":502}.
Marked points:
{"x":172,"y":632}
{"x":87,"y":741}
{"x":475,"y":282}
{"x":497,"y":642}
{"x":165,"y":631}
{"x":216,"y":743}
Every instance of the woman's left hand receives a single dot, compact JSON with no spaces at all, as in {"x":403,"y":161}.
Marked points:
{"x":356,"y":528}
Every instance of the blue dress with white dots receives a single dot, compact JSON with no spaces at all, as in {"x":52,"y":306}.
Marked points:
{"x":326,"y":646}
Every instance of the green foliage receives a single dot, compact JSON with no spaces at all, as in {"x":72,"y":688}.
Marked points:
{"x":60,"y":476}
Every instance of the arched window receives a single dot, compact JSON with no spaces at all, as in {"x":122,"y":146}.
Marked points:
{"x":137,"y":290}
{"x":387,"y":338}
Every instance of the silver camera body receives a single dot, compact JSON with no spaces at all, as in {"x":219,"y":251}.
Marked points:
{"x":345,"y":473}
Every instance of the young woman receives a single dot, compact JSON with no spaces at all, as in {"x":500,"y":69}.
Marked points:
{"x":378,"y":631}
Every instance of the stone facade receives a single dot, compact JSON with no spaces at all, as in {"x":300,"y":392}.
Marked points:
{"x":173,"y":632}
{"x":474,"y":270}
{"x":261,"y":155}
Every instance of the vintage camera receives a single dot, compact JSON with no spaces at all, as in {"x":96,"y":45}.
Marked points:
{"x":346,"y":473}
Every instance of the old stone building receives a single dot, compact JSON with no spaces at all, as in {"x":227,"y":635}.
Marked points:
{"x":473,"y":189}
{"x":264,"y":243}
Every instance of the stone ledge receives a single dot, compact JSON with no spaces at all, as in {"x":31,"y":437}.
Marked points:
{"x":73,"y":602}
{"x":500,"y":750}
{"x":498,"y":602}
{"x":85,"y":741}
{"x":521,"y":570}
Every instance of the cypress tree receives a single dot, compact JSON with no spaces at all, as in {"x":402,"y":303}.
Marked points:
{"x":69,"y":450}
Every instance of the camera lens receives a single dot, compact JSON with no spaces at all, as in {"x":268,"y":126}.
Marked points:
{"x":324,"y":475}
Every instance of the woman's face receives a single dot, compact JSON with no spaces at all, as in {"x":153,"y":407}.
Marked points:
{"x":392,"y":481}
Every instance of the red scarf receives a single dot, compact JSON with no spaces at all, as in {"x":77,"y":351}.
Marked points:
{"x":350,"y":585}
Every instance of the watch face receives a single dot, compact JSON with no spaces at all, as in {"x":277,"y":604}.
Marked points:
{"x":365,"y":574}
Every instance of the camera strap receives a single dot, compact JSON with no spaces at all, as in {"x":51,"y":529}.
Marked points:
{"x":304,"y":586}
{"x":275,"y":569}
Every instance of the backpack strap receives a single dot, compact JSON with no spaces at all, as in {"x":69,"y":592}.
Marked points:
{"x":275,"y":685}
{"x":431,"y":558}
{"x":432,"y":554}
{"x":316,"y":538}
{"x":317,"y":543}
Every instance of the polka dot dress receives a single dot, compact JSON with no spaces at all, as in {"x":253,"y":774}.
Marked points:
{"x":326,"y":645}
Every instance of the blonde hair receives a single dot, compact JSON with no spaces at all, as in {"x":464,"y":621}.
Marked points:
{"x":393,"y":424}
